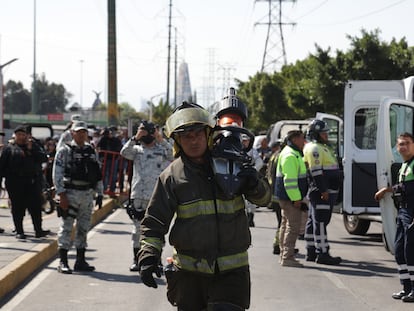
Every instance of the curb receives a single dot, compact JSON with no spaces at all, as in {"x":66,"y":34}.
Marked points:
{"x":16,"y":272}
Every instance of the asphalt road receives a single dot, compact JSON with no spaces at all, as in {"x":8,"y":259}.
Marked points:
{"x":364,"y":281}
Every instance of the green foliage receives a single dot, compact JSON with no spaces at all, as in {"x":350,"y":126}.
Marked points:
{"x":52,"y":98}
{"x":161,"y":112}
{"x":316,"y":84}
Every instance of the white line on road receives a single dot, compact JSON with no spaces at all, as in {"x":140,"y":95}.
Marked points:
{"x":42,"y":275}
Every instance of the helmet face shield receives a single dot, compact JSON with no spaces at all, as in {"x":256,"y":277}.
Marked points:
{"x":188,"y":119}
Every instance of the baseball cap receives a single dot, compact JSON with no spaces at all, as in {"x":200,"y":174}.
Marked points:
{"x":75,"y":117}
{"x":20,"y":128}
{"x":79,"y":125}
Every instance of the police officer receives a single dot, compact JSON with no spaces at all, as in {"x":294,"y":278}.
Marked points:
{"x":150,"y":154}
{"x":76,"y":175}
{"x":325,"y":179}
{"x":210,"y":233}
{"x":290,"y":189}
{"x":20,"y":164}
{"x":404,"y":195}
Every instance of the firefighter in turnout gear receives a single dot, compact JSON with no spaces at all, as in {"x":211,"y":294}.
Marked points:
{"x":324,"y":182}
{"x":150,"y":154}
{"x":77,"y":176}
{"x":403,"y":193}
{"x":210,"y":234}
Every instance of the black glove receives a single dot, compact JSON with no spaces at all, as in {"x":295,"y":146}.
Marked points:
{"x":249,"y":178}
{"x":132,"y":212}
{"x":98,"y":201}
{"x":147,"y":267}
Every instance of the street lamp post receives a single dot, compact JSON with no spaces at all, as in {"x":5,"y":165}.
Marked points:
{"x":1,"y":95}
{"x":81,"y":84}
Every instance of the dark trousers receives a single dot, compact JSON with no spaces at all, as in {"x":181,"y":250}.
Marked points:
{"x":319,"y":216}
{"x":404,"y":244}
{"x":195,"y":292}
{"x":25,"y":193}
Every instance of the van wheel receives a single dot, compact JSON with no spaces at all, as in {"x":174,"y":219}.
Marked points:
{"x":354,"y":225}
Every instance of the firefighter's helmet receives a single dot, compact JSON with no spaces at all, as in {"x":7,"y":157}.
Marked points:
{"x":187,"y":117}
{"x":231,"y":109}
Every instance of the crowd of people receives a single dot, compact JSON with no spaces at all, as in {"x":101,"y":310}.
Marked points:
{"x":173,"y":182}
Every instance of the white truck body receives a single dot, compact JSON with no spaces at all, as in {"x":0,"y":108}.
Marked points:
{"x":372,"y":124}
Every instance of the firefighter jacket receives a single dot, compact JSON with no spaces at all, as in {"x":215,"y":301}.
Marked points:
{"x":210,"y":233}
{"x":291,"y":183}
{"x":77,"y":168}
{"x":323,"y":167}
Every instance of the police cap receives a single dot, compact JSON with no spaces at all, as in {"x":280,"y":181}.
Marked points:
{"x":20,"y":128}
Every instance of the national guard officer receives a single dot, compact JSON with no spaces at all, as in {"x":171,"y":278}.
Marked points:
{"x":150,"y":154}
{"x":325,"y":179}
{"x":403,"y":193}
{"x":77,"y":175}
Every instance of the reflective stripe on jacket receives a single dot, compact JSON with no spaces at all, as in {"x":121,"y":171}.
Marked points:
{"x":291,"y":183}
{"x":210,"y":233}
{"x":323,"y":167}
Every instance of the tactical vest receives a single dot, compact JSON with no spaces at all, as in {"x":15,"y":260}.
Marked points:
{"x":82,"y":169}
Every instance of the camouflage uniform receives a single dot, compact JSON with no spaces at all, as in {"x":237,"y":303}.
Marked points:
{"x":80,"y":197}
{"x":148,"y":163}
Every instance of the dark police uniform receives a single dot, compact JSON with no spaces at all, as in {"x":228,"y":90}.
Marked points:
{"x":404,"y":239}
{"x":21,"y":168}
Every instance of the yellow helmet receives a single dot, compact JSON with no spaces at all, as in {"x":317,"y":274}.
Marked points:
{"x":185,"y":118}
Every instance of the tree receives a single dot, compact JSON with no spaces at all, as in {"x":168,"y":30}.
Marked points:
{"x":52,"y":97}
{"x":316,"y":84}
{"x":161,"y":112}
{"x":16,"y":98}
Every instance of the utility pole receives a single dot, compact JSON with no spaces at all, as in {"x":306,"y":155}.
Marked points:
{"x":113,"y":114}
{"x":274,"y":49}
{"x":34,"y":83}
{"x":169,"y":54}
{"x":175,"y":68}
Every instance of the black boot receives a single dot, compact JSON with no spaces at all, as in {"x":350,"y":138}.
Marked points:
{"x":406,"y":290}
{"x":81,"y":264}
{"x":311,"y":254}
{"x":326,"y":259}
{"x":134,"y":266}
{"x":63,"y":264}
{"x":250,"y":217}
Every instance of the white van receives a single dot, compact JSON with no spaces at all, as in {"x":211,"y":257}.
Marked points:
{"x":375,"y":113}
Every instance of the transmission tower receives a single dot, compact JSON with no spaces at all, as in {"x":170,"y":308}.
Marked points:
{"x":274,"y":51}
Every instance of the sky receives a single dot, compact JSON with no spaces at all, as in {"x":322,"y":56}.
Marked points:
{"x":220,"y":40}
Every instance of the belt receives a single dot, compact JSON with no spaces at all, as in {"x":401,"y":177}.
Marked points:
{"x":78,"y":187}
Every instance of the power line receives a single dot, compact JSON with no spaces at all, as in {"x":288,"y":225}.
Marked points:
{"x":274,"y":49}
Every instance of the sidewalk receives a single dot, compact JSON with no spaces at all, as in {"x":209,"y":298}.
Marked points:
{"x":20,"y":258}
